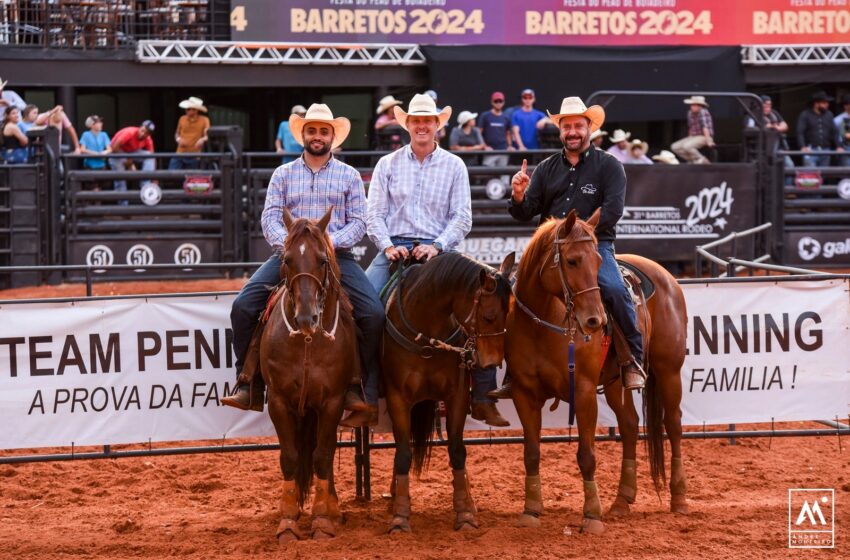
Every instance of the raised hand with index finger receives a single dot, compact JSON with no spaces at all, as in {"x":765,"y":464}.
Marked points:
{"x":520,"y":182}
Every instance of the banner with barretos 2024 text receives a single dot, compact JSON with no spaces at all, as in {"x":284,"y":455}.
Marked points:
{"x":107,"y":371}
{"x":543,"y":22}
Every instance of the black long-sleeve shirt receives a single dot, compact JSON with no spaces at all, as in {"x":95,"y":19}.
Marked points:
{"x":598,"y":180}
{"x":816,"y":130}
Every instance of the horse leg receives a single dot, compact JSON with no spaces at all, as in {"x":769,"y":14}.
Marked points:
{"x":399,"y":412}
{"x":670,"y":387}
{"x":586,"y":418}
{"x":622,"y":404}
{"x":462,"y":501}
{"x":325,"y":503}
{"x":285,"y":425}
{"x":529,"y":413}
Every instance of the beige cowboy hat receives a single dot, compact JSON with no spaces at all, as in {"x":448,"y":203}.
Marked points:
{"x":575,"y":106}
{"x":319,"y":112}
{"x":422,"y":105}
{"x":639,"y":144}
{"x":620,"y":135}
{"x":597,"y":134}
{"x":667,"y":157}
{"x":3,"y":83}
{"x":193,"y":103}
{"x":386,"y":103}
{"x":696,"y":100}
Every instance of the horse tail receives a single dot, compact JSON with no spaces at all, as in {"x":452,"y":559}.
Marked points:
{"x":422,"y":433}
{"x":306,"y":429}
{"x":653,"y":414}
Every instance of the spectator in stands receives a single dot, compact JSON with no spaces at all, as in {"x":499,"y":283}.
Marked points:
{"x":526,"y":121}
{"x":495,"y":129}
{"x":773,"y":121}
{"x":191,"y":134}
{"x":465,"y":137}
{"x":816,"y":131}
{"x":666,"y":157}
{"x":14,"y":140}
{"x":637,"y":153}
{"x":620,"y":145}
{"x":28,"y":118}
{"x":597,"y":137}
{"x":57,"y":118}
{"x":700,"y":132}
{"x":136,"y":142}
{"x":842,"y":126}
{"x":9,"y":98}
{"x":441,"y":134}
{"x":389,"y":134}
{"x":284,"y":142}
{"x":95,"y":141}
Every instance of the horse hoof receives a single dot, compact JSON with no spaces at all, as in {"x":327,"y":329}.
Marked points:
{"x":526,"y":520}
{"x":287,"y":532}
{"x":592,"y":526}
{"x":620,"y":508}
{"x":679,"y":506}
{"x":286,"y":537}
{"x":399,"y":525}
{"x":323,"y":528}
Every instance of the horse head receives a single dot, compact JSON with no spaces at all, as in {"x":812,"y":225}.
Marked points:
{"x":307,"y":268}
{"x":572,"y":272}
{"x":489,"y":312}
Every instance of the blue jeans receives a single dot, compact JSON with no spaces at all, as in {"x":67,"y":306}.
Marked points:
{"x":179,"y":163}
{"x":616,"y":296}
{"x":815,"y":159}
{"x":378,"y":273}
{"x":368,"y":314}
{"x":143,"y":163}
{"x":15,"y":155}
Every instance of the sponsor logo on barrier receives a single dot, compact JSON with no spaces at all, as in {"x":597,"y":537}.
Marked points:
{"x":198,"y":184}
{"x":151,"y":194}
{"x":100,"y":255}
{"x":808,"y":179}
{"x":811,"y":518}
{"x":844,"y":189}
{"x":492,"y":250}
{"x":809,"y":248}
{"x":187,"y":253}
{"x":706,"y":217}
{"x":140,"y":254}
{"x":496,"y":189}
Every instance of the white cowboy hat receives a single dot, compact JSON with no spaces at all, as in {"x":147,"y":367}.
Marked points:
{"x":666,"y":157}
{"x":620,"y":135}
{"x":422,"y":105}
{"x":386,"y":103}
{"x":319,"y":112}
{"x":696,"y":100}
{"x":193,"y":103}
{"x":3,"y":83}
{"x":639,"y":144}
{"x":465,"y":116}
{"x":575,"y":106}
{"x":597,"y":134}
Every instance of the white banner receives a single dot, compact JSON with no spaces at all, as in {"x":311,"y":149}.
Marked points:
{"x":110,"y":371}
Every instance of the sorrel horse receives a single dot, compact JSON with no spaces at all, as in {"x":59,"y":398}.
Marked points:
{"x":445,"y":317}
{"x":557,"y":284}
{"x":307,"y":349}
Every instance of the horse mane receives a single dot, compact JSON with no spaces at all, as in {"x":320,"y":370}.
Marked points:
{"x":543,"y":239}
{"x":303,"y":226}
{"x":453,"y":269}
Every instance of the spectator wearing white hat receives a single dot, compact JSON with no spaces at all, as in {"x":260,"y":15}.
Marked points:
{"x":637,"y":153}
{"x":9,"y":98}
{"x":620,"y":145}
{"x":666,"y":157}
{"x":95,"y":141}
{"x":191,"y":134}
{"x":465,"y":136}
{"x":700,"y":132}
{"x":596,"y":138}
{"x":284,"y":142}
{"x":389,"y":135}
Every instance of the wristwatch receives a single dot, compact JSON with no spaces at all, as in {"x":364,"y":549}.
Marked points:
{"x":438,"y":246}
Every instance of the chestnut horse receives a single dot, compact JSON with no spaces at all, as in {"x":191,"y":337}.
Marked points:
{"x":306,"y":353}
{"x":557,"y":284}
{"x":445,"y":317}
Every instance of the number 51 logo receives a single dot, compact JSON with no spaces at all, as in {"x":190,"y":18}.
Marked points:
{"x":811,"y":518}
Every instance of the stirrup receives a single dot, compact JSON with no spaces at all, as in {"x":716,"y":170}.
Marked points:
{"x":633,"y":376}
{"x":503,"y":392}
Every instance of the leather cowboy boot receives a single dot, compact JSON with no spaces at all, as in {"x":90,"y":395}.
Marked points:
{"x":488,"y":412}
{"x":360,"y":418}
{"x":353,"y":401}
{"x":633,"y":375}
{"x":503,"y":392}
{"x":247,"y":396}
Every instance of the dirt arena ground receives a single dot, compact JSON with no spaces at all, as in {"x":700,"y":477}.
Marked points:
{"x":226,"y":504}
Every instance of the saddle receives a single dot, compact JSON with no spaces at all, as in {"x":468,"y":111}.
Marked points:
{"x":636,"y":278}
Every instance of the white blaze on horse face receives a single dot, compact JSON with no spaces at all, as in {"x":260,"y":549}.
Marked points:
{"x":302,"y":248}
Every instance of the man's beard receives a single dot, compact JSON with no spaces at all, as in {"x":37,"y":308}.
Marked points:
{"x":584,"y":143}
{"x":317,"y":152}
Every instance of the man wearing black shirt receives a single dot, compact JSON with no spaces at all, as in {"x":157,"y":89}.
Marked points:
{"x":816,"y":131}
{"x":584,"y":178}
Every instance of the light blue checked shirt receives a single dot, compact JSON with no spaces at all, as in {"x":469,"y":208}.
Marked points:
{"x":308,"y":195}
{"x":429,"y":200}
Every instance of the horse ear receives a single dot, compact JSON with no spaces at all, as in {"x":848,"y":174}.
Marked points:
{"x":323,"y":222}
{"x":488,"y":282}
{"x":507,"y":265}
{"x":594,"y":219}
{"x":570,"y":221}
{"x":287,"y":218}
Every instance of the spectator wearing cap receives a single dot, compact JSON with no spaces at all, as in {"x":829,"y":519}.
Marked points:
{"x":597,"y":137}
{"x":284,"y":142}
{"x":496,"y":131}
{"x":700,"y":132}
{"x":191,"y":134}
{"x":816,"y":131}
{"x":666,"y":157}
{"x":620,"y":145}
{"x":9,"y":98}
{"x":637,"y":153}
{"x":135,"y":142}
{"x":95,"y":141}
{"x":526,"y":121}
{"x":842,"y":127}
{"x":465,"y":137}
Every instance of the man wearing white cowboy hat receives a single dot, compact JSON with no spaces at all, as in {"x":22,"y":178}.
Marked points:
{"x":584,"y":179}
{"x":191,"y":134}
{"x":9,"y":98}
{"x":308,"y":186}
{"x":637,"y":153}
{"x":666,"y":157}
{"x":420,"y":194}
{"x":597,"y":137}
{"x":700,"y":132}
{"x":620,"y":145}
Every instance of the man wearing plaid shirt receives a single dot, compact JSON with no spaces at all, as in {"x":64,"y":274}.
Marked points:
{"x":308,"y":186}
{"x":700,"y":132}
{"x":420,"y":193}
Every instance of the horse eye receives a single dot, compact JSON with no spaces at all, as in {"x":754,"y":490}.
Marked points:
{"x":571,"y":262}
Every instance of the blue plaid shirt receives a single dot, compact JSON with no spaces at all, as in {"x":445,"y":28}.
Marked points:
{"x":428,"y":200}
{"x":308,"y":195}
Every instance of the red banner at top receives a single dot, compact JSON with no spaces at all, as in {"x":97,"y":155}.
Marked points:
{"x":544,"y":22}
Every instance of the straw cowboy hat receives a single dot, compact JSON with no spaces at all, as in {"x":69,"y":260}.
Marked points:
{"x":193,"y":103}
{"x":639,"y":144}
{"x":666,"y":157}
{"x":596,"y":134}
{"x":465,"y":116}
{"x":620,"y":135}
{"x":386,"y":103}
{"x":575,"y":106}
{"x":3,"y":83}
{"x":422,"y":106}
{"x":696,"y":100}
{"x":321,"y":113}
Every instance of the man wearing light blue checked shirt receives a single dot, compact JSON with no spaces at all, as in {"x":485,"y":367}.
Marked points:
{"x":420,"y":194}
